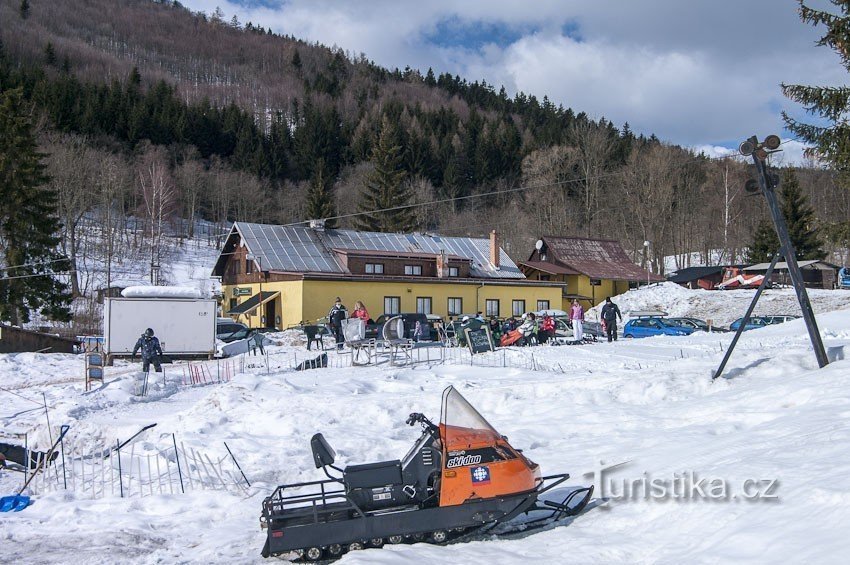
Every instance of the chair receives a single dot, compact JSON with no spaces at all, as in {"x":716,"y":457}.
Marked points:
{"x":314,"y":335}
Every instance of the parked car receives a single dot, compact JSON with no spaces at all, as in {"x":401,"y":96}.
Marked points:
{"x":695,"y":323}
{"x":781,"y":319}
{"x":227,"y":330}
{"x":650,"y":326}
{"x":753,"y":323}
{"x":373,"y":328}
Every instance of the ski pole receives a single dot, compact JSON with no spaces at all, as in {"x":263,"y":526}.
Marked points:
{"x":177,"y":456}
{"x":120,"y":445}
{"x":237,"y":464}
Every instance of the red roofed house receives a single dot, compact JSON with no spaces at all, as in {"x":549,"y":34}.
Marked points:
{"x":593,"y":269}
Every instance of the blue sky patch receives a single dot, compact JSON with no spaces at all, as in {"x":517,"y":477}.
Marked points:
{"x":453,"y":32}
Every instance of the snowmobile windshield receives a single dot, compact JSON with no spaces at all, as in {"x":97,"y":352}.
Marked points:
{"x":461,"y":426}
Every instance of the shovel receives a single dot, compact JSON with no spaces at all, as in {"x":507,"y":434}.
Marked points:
{"x":17,"y":502}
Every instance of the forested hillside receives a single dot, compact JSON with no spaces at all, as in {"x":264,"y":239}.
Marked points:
{"x":224,"y":120}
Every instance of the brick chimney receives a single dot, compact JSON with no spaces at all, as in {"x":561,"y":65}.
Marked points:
{"x":494,"y":249}
{"x":442,"y":265}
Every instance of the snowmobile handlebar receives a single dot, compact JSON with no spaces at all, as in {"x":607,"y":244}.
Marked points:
{"x":417,"y":417}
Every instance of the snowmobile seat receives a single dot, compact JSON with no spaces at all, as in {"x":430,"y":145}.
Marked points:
{"x":372,"y":475}
{"x":323,"y":453}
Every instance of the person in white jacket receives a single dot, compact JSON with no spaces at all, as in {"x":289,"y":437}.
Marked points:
{"x":577,"y":318}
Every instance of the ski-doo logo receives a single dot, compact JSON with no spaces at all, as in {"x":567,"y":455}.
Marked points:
{"x":480,"y":475}
{"x":463,"y":461}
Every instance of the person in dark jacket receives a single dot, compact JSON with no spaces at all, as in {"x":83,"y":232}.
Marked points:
{"x":610,"y":313}
{"x":335,"y":317}
{"x":151,"y":351}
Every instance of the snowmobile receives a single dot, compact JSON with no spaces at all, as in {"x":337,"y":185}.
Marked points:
{"x":460,"y":478}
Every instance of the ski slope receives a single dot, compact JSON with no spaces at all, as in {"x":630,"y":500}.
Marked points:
{"x":650,"y":404}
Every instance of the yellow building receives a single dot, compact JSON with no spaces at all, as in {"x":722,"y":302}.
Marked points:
{"x":280,"y":276}
{"x":591,"y":269}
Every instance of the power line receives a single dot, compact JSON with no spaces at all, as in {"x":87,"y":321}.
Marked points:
{"x":37,"y":275}
{"x":34,"y":264}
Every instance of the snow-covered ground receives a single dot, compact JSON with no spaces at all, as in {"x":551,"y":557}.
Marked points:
{"x":775,"y":420}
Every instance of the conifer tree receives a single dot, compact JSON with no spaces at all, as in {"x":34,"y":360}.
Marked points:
{"x":385,"y":187}
{"x":24,"y":9}
{"x":829,"y":103}
{"x":800,"y":219}
{"x":320,"y":202}
{"x":28,"y":223}
{"x":50,"y":55}
{"x":765,"y":243}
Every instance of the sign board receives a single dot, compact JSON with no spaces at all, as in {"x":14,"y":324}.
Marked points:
{"x":595,"y":282}
{"x":241,"y":291}
{"x":479,"y":340}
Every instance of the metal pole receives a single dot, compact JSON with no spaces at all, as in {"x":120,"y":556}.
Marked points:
{"x":791,"y":260}
{"x":746,"y":317}
{"x":177,"y":456}
{"x":237,"y":464}
{"x":62,"y":450}
{"x":120,"y":481}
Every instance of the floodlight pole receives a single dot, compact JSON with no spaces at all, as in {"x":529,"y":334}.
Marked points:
{"x":787,"y":250}
{"x":791,"y":261}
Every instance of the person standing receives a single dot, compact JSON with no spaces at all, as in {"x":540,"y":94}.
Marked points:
{"x":610,"y":313}
{"x":151,"y":351}
{"x":360,"y":312}
{"x":547,"y":328}
{"x":335,"y":317}
{"x":577,"y":318}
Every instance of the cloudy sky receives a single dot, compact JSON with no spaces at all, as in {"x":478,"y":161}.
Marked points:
{"x":702,"y":74}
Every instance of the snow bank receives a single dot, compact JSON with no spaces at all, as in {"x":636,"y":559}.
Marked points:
{"x":721,"y":306}
{"x":161,"y":292}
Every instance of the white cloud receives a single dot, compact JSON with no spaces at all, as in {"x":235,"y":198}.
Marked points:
{"x":693,"y":73}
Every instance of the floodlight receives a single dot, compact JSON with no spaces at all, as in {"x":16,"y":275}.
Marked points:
{"x":746,"y":148}
{"x":752,"y":186}
{"x":772,"y":142}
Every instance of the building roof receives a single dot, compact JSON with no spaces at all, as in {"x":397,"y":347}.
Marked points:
{"x":546,"y":267}
{"x":782,"y":266}
{"x":298,"y":249}
{"x":395,"y":254}
{"x":693,"y":273}
{"x":596,"y":258}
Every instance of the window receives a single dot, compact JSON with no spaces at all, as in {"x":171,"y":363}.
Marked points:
{"x":542,"y":304}
{"x":392,"y":304}
{"x":518,"y":307}
{"x":491,"y":308}
{"x":234,"y":302}
{"x":423,"y":304}
{"x":374,"y":268}
{"x":454,"y":272}
{"x":249,"y":267}
{"x":413,"y":269}
{"x":455,"y":306}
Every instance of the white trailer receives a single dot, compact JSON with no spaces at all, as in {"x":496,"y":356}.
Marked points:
{"x":184,"y":326}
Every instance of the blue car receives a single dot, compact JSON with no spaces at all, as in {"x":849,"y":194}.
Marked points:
{"x":753,"y":323}
{"x":647,"y":327}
